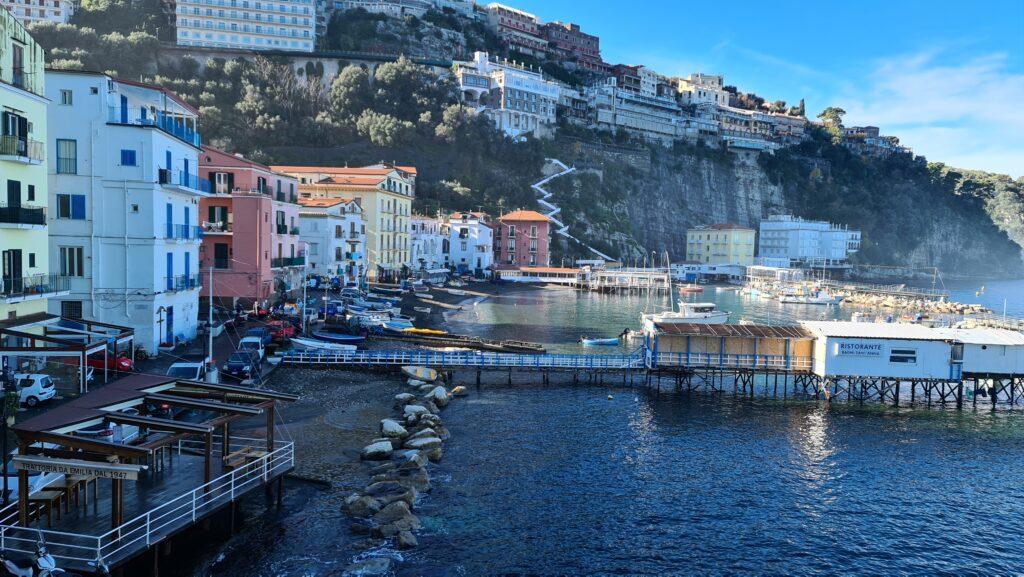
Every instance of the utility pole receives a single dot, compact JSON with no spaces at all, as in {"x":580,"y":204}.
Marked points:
{"x":305,"y":281}
{"x":209,"y":322}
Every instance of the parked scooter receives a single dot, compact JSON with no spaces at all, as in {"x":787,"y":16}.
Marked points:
{"x":43,"y":565}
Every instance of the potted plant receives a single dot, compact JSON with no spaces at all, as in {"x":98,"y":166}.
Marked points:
{"x":11,"y":402}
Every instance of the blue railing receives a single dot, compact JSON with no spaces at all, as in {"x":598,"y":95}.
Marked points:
{"x":141,"y":116}
{"x":193,"y":181}
{"x":184,"y":231}
{"x":466,"y":359}
{"x":183,"y":282}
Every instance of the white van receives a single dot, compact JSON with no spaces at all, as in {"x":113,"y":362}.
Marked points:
{"x":33,"y":388}
{"x":254,"y":344}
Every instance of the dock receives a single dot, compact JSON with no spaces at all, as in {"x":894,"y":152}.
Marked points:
{"x":629,"y":280}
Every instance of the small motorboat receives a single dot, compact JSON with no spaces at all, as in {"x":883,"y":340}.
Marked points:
{"x":316,"y":345}
{"x":690,"y":289}
{"x":422,"y":310}
{"x":599,"y":342}
{"x":424,"y":374}
{"x":424,"y":295}
{"x":339,"y":338}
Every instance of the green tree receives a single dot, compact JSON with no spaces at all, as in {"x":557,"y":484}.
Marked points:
{"x":833,"y":119}
{"x":384,"y":130}
{"x":349,"y":94}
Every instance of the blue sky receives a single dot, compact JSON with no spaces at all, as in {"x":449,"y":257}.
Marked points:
{"x":946,"y":77}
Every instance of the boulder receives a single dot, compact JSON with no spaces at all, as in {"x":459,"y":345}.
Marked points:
{"x":368,"y":567}
{"x":439,"y":396}
{"x":406,"y":540}
{"x":434,"y":454}
{"x":424,"y":432}
{"x":377,"y":451}
{"x":414,"y":479}
{"x":423,"y":443}
{"x":410,"y":459}
{"x":460,"y":391}
{"x":403,"y":399}
{"x":362,"y":527}
{"x":430,"y":406}
{"x":416,"y":383}
{"x":414,"y":410}
{"x":397,"y":513}
{"x":392,"y":429}
{"x":442,"y":432}
{"x":384,"y":467}
{"x":363,"y":507}
{"x":425,"y":388}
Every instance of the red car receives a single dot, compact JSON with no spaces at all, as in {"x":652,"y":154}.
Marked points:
{"x":123,"y":364}
{"x":281,"y":330}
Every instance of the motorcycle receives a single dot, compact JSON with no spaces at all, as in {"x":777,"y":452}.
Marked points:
{"x":42,"y":565}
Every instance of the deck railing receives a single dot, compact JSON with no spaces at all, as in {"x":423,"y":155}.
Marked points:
{"x":154,"y":525}
{"x":731,"y":361}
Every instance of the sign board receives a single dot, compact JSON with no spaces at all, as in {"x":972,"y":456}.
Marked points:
{"x":859,"y":349}
{"x":76,"y":468}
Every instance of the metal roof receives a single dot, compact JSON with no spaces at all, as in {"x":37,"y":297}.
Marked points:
{"x":748,"y":331}
{"x":900,"y":331}
{"x":984,"y":336}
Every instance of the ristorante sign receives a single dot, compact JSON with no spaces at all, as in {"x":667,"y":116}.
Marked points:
{"x":861,"y":349}
{"x":76,"y":468}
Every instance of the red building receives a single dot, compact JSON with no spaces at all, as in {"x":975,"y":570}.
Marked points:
{"x":522,"y":238}
{"x":570,"y":44}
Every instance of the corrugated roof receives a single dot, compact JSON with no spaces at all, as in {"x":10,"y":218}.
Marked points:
{"x":904,"y":331}
{"x":984,"y":336}
{"x":749,"y":331}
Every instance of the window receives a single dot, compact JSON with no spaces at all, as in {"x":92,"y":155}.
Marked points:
{"x":31,"y":192}
{"x":314,"y":249}
{"x":127,"y":157}
{"x":71,"y":261}
{"x":71,"y":309}
{"x":907,"y":356}
{"x":65,"y":98}
{"x":71,"y":206}
{"x":31,"y":260}
{"x":67,"y":156}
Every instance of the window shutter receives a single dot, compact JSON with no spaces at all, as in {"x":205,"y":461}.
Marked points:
{"x":78,"y":207}
{"x":6,"y":124}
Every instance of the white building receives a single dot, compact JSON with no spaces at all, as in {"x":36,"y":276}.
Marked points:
{"x":806,"y":242}
{"x":32,"y":11}
{"x":428,"y":245}
{"x":335,"y":236}
{"x":700,"y":88}
{"x":519,"y":100}
{"x":988,"y":351}
{"x":124,"y":204}
{"x":392,"y":8}
{"x":908,"y":351}
{"x":248,"y":24}
{"x":471,"y":243}
{"x":655,"y":118}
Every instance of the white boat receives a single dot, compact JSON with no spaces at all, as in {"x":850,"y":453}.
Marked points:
{"x":424,"y":295}
{"x":688,"y":313}
{"x":457,"y":292}
{"x":423,"y":310}
{"x":318,"y":345}
{"x":820,"y":298}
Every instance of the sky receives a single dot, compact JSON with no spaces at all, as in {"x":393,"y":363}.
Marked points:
{"x":946,"y":77}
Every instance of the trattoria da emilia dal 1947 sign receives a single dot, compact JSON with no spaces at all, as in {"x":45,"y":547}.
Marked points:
{"x":860,"y":349}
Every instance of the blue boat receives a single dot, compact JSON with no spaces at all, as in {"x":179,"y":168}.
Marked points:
{"x":599,"y":342}
{"x":340,"y":338}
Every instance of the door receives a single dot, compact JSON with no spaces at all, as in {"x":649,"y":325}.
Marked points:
{"x":14,"y":195}
{"x":169,"y":337}
{"x":220,"y":255}
{"x":12,"y":273}
{"x":124,"y":109}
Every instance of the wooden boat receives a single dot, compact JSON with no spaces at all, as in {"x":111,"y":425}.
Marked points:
{"x":317,"y":345}
{"x":599,"y":342}
{"x":690,"y":289}
{"x":432,"y":332}
{"x":423,"y":310}
{"x":424,"y":374}
{"x":339,"y":338}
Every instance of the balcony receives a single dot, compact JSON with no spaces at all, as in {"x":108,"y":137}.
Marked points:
{"x":294,"y":231}
{"x":282,"y":262}
{"x":281,"y":229}
{"x":22,"y":216}
{"x":183,"y":282}
{"x":23,"y":150}
{"x":182,"y":179}
{"x":14,"y":289}
{"x":183,"y":232}
{"x":216,"y":228}
{"x":174,"y":125}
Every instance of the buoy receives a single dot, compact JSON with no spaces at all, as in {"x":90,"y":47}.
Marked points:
{"x":609,"y":397}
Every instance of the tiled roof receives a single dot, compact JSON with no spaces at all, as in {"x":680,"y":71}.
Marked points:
{"x":528,"y":215}
{"x":322,"y":202}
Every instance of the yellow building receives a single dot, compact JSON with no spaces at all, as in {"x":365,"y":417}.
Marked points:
{"x":385,"y":194}
{"x":26,"y":281}
{"x":720,"y":244}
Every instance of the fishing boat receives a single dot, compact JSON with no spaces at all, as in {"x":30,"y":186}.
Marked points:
{"x":424,"y":374}
{"x":422,"y":310}
{"x":690,"y":289}
{"x":599,"y":342}
{"x":688,"y":313}
{"x":318,"y":345}
{"x":339,"y":338}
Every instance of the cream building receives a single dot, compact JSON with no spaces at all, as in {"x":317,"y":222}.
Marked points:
{"x":247,"y":24}
{"x":720,"y":244}
{"x":26,"y":282}
{"x":32,"y":11}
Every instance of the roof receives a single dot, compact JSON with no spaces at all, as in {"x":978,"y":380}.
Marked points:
{"x":87,"y":407}
{"x":749,"y":331}
{"x":723,"y":226}
{"x":230,"y":159}
{"x":901,"y":331}
{"x":541,"y":269}
{"x":322,"y":202}
{"x":341,"y":170}
{"x":469,"y":215}
{"x":984,"y":336}
{"x":529,"y":215}
{"x":161,"y":89}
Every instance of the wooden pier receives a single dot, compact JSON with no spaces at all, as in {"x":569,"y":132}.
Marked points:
{"x":629,"y":280}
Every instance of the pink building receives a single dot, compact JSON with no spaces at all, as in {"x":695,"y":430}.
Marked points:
{"x":251,"y":221}
{"x":522,"y":238}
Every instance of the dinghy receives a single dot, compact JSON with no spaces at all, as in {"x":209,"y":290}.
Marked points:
{"x":420,"y":373}
{"x":339,"y":338}
{"x":599,"y":342}
{"x":315,"y":345}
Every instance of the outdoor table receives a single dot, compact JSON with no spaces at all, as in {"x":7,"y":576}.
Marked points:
{"x":48,"y":498}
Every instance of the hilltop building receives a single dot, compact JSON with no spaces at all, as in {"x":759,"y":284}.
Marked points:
{"x":868,"y":141}
{"x":470,"y":242}
{"x":699,"y":89}
{"x":789,"y":240}
{"x":335,"y":236}
{"x":125,"y":190}
{"x":523,"y":238}
{"x":720,"y":244}
{"x":385,"y":193}
{"x":519,"y":100}
{"x":640,"y":112}
{"x":248,"y":24}
{"x":32,"y":11}
{"x":567,"y":43}
{"x":26,"y":281}
{"x":519,"y":29}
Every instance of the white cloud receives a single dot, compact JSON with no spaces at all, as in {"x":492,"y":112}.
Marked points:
{"x":964,"y":112}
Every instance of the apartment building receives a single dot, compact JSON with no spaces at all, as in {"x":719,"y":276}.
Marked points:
{"x":335,"y":236}
{"x":518,"y":29}
{"x":385,"y":193}
{"x":519,"y":100}
{"x":26,"y":280}
{"x":868,"y":141}
{"x":698,"y":89}
{"x":32,"y":11}
{"x":790,"y":240}
{"x":392,"y":8}
{"x":569,"y":44}
{"x":248,"y":24}
{"x":719,"y":244}
{"x":125,"y":192}
{"x":428,"y":244}
{"x":523,"y":238}
{"x":470,"y":242}
{"x":652,"y":117}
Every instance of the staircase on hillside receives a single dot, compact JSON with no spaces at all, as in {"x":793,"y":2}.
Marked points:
{"x":554,"y":210}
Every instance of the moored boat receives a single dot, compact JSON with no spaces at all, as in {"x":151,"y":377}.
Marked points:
{"x":587,"y":342}
{"x":424,"y":374}
{"x":690,"y":289}
{"x":339,"y":338}
{"x":688,"y":313}
{"x":319,"y":345}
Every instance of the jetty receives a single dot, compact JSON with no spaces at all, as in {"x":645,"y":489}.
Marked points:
{"x":628,"y":280}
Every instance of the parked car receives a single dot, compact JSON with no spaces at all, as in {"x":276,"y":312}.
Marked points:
{"x":253,"y":344}
{"x":281,"y":330}
{"x":34,"y":388}
{"x":122,"y":363}
{"x":188,"y":371}
{"x":113,"y":433}
{"x":262,"y":333}
{"x":243,"y":364}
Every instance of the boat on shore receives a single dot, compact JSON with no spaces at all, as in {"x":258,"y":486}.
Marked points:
{"x":427,"y":375}
{"x":422,"y":310}
{"x":339,"y":338}
{"x":307,"y":344}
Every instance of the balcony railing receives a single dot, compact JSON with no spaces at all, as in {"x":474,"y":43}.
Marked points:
{"x":174,"y":125}
{"x":22,"y":148}
{"x":184,"y":231}
{"x":282,"y":229}
{"x":216,"y":227}
{"x":294,"y":231}
{"x":23,"y":215}
{"x":183,"y":282}
{"x":287,"y":261}
{"x":39,"y":284}
{"x":183,"y":179}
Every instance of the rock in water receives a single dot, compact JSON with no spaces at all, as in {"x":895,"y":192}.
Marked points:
{"x":460,"y":391}
{"x":403,"y":399}
{"x":395,"y":513}
{"x":406,"y":540}
{"x":414,"y":410}
{"x":439,"y":396}
{"x":377,"y":451}
{"x":368,"y":567}
{"x":416,"y":383}
{"x":423,"y":433}
{"x":423,"y":443}
{"x":392,"y":429}
{"x":362,"y":507}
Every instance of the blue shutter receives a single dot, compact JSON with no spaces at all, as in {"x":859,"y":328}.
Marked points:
{"x":168,"y":159}
{"x":186,"y":227}
{"x":170,"y":221}
{"x":188,"y":269}
{"x":124,"y":109}
{"x":78,"y":206}
{"x":170,"y":271}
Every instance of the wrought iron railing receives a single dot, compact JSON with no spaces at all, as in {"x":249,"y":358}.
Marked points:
{"x":22,"y":147}
{"x":183,"y":231}
{"x":23,"y":214}
{"x":38,"y":284}
{"x":183,"y":282}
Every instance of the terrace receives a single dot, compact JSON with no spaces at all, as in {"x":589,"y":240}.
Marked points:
{"x":37,"y":286}
{"x":179,"y":464}
{"x":180,"y":126}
